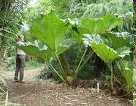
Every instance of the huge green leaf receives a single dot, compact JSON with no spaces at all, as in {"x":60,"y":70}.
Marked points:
{"x":51,"y":30}
{"x":98,"y":25}
{"x":35,"y":51}
{"x":106,"y":53}
{"x":118,"y":40}
{"x":105,"y":50}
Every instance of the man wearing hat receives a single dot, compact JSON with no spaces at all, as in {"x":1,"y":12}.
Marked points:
{"x":20,"y":61}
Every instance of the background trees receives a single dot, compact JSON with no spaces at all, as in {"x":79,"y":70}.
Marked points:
{"x":10,"y":18}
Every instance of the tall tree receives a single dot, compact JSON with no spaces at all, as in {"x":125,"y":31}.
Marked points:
{"x":10,"y":16}
{"x":134,"y":27}
{"x":134,"y":5}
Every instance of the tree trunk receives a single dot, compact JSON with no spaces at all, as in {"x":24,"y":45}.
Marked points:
{"x":134,"y":16}
{"x":134,"y":27}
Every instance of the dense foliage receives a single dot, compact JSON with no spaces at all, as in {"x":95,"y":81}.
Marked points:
{"x":74,"y":36}
{"x":59,"y":35}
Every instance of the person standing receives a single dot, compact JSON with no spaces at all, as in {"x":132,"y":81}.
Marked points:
{"x":20,"y":61}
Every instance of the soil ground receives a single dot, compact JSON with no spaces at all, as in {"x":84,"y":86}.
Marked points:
{"x":35,"y":92}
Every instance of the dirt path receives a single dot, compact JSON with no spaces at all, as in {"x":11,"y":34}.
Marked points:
{"x":36,"y":92}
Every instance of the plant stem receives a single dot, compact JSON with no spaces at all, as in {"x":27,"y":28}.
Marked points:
{"x":77,"y":69}
{"x":111,"y":77}
{"x":59,"y":62}
{"x":86,"y":60}
{"x":65,"y":64}
{"x":111,"y":69}
{"x":57,"y":72}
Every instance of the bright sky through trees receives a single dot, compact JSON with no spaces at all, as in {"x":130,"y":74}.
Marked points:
{"x":33,"y":3}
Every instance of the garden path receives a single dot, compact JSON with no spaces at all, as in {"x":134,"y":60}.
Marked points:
{"x":35,"y":92}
